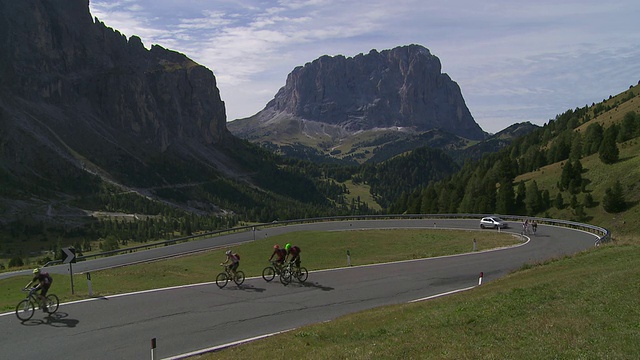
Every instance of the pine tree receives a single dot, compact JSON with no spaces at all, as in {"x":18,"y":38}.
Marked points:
{"x":578,"y":210}
{"x":576,"y":147}
{"x":559,"y":202}
{"x":608,"y":151}
{"x":546,"y":199}
{"x":628,"y":127}
{"x":592,"y":139}
{"x":613,"y":200}
{"x":521,"y":192}
{"x":588,"y":200}
{"x":505,"y":201}
{"x":573,"y":202}
{"x":533,"y":199}
{"x":566,"y":175}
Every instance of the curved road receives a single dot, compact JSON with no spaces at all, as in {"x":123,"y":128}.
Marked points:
{"x":191,"y":318}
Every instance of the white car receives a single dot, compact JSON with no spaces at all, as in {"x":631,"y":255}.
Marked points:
{"x":493,"y":222}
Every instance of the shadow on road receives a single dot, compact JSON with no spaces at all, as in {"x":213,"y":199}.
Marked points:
{"x":315,"y":285}
{"x":249,"y":288}
{"x":59,"y":319}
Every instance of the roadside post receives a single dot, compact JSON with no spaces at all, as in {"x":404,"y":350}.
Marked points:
{"x":89,"y":284}
{"x":348,"y":258}
{"x":69,"y":257}
{"x":474,"y":245}
{"x":153,"y":348}
{"x":480,"y":278}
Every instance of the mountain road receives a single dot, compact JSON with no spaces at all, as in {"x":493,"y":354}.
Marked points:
{"x":195,"y":317}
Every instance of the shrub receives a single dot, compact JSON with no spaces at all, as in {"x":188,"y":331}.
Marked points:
{"x":16,"y":262}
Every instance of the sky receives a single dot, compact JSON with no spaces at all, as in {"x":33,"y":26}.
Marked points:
{"x":514,"y":60}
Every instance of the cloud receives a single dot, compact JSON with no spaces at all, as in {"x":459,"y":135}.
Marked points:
{"x":512,"y":61}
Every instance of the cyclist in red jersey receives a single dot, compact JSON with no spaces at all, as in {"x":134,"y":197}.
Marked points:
{"x":293,"y":254}
{"x":279,"y":253}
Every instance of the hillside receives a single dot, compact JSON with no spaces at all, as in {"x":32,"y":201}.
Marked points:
{"x":534,"y":177}
{"x":601,"y":176}
{"x":94,"y":123}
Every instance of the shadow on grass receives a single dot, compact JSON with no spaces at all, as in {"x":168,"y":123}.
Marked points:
{"x":629,"y":204}
{"x":626,"y":158}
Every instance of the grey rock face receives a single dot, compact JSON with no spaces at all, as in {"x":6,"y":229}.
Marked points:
{"x":54,"y":53}
{"x":402,"y":87}
{"x":80,"y":103}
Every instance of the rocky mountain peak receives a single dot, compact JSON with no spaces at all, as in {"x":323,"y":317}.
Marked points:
{"x":402,"y":87}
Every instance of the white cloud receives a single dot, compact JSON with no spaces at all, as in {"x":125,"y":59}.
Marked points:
{"x":513,"y":61}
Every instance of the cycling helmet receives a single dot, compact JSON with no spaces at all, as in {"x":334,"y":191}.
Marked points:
{"x":287,"y":247}
{"x":36,"y":271}
{"x":276,"y":246}
{"x":228,"y":252}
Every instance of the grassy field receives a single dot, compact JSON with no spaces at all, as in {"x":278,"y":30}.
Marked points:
{"x":581,"y":307}
{"x":362,"y":192}
{"x":320,"y":250}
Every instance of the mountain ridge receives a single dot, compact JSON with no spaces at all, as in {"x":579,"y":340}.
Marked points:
{"x":330,"y":99}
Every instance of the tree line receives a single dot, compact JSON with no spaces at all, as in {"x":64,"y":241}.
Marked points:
{"x":487,"y":186}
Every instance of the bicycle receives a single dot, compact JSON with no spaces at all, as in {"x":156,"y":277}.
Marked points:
{"x":291,"y":271}
{"x":270,"y":272}
{"x":223,"y":278}
{"x":27,"y":307}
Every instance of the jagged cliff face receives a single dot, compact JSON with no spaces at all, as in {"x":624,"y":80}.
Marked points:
{"x":80,"y":104}
{"x":53,"y":52}
{"x":402,"y":87}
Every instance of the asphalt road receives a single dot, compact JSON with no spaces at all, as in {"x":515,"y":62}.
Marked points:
{"x":202,"y":316}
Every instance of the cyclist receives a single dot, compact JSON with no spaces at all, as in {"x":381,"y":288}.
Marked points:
{"x":293,"y":254}
{"x":234,"y":258}
{"x":280,"y":253}
{"x":44,"y":281}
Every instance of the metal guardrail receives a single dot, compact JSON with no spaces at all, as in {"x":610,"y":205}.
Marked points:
{"x":604,"y":235}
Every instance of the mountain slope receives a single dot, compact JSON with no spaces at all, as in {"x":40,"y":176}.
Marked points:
{"x":556,"y":171}
{"x":333,"y":102}
{"x":87,"y":114}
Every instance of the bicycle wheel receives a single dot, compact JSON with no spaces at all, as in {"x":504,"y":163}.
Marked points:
{"x":52,"y":303}
{"x":25,"y":309}
{"x":302,"y":274}
{"x":239,"y":278}
{"x":285,"y":277}
{"x":268,"y":273}
{"x":222,"y":279}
